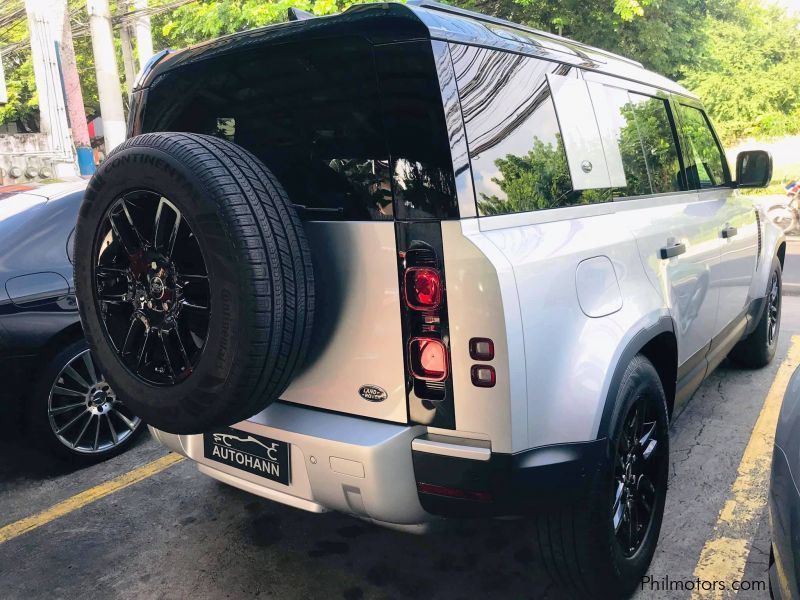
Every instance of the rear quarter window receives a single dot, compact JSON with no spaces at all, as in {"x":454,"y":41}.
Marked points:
{"x":517,"y":153}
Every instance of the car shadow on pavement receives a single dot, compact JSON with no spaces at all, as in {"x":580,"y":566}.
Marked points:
{"x":344,"y":557}
{"x":20,"y":456}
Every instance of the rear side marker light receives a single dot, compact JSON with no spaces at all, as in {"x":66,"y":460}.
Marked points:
{"x":483,"y":376}
{"x":481,"y":349}
{"x":449,"y":492}
{"x":423,"y":288}
{"x":428,"y":359}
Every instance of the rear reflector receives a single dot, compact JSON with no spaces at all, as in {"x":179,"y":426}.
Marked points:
{"x":423,"y":288}
{"x":449,"y":492}
{"x":481,"y":349}
{"x":483,"y":376}
{"x":428,"y":359}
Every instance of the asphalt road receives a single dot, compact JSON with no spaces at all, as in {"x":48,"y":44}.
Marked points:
{"x":177,"y":534}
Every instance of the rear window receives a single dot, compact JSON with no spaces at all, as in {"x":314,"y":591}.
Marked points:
{"x":313,"y":113}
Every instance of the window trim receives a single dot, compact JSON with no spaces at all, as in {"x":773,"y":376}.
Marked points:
{"x":568,"y":213}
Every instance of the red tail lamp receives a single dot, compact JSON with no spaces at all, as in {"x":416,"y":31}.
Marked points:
{"x":428,"y":359}
{"x":481,"y":349}
{"x":483,"y":376}
{"x":423,"y":288}
{"x":451,"y":492}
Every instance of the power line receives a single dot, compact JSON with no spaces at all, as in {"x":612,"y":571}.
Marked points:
{"x":80,"y":28}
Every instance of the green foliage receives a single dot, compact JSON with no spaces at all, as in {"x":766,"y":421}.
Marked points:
{"x":207,"y":19}
{"x":662,"y":35}
{"x":23,"y":101}
{"x":741,"y":57}
{"x":536,"y":181}
{"x":747,"y":73}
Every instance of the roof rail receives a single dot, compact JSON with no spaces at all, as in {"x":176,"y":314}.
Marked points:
{"x":446,"y":8}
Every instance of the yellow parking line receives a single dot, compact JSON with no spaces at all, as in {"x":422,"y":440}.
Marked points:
{"x":12,"y":530}
{"x":724,"y":556}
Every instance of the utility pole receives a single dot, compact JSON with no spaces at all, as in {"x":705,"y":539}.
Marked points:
{"x":105,"y":64}
{"x":74,"y":97}
{"x":45,"y":35}
{"x":126,"y":42}
{"x":144,"y":38}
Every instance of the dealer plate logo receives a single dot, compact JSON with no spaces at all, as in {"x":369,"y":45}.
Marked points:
{"x":252,"y":453}
{"x":372,"y":393}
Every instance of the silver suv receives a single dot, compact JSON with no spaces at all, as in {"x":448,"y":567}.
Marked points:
{"x":411,"y":262}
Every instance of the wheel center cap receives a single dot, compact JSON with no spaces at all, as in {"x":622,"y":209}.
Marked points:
{"x":99,"y":397}
{"x":157,"y":288}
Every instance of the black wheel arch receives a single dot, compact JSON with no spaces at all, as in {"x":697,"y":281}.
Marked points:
{"x":658,"y":344}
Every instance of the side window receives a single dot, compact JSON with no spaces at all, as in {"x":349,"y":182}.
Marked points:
{"x":624,"y":128}
{"x":517,"y":153}
{"x":658,"y":142}
{"x":704,"y":158}
{"x":641,"y":127}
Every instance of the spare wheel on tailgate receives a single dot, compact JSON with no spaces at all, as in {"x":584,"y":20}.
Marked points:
{"x":194,"y":280}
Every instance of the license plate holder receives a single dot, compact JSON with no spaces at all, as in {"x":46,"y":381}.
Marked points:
{"x":249,"y":452}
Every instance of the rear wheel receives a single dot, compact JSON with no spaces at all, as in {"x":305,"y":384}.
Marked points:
{"x":73,"y":413}
{"x":758,"y":349}
{"x":606,"y":540}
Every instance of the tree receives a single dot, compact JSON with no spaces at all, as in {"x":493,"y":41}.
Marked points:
{"x":207,"y":19}
{"x":538,"y":180}
{"x":747,"y":72}
{"x":662,"y":35}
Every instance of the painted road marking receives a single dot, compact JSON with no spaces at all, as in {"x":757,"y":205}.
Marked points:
{"x":12,"y":530}
{"x":724,"y":555}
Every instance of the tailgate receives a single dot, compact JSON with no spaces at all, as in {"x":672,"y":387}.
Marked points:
{"x":356,"y":350}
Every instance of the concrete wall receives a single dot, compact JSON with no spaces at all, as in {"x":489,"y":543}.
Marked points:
{"x":26,"y":155}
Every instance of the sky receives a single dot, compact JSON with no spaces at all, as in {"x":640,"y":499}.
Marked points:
{"x":792,"y":5}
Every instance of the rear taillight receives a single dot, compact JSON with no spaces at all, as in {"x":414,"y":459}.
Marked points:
{"x":451,"y":492}
{"x":483,"y":376}
{"x":428,"y":359}
{"x":481,"y":349}
{"x":426,"y":335}
{"x":423,"y":288}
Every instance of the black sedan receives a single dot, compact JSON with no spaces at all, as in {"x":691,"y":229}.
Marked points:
{"x":784,"y":498}
{"x":69,"y":409}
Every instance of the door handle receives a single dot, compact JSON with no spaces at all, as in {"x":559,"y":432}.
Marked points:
{"x":673,"y":250}
{"x":729,"y":232}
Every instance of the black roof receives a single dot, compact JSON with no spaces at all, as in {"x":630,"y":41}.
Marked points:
{"x":419,"y":19}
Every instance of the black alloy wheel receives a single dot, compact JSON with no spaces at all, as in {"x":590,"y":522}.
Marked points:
{"x":152,"y":286}
{"x":638,"y":473}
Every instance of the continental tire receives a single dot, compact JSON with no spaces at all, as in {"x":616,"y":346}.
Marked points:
{"x":194,"y":280}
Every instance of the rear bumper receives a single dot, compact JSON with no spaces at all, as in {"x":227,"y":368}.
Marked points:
{"x":373,"y":469}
